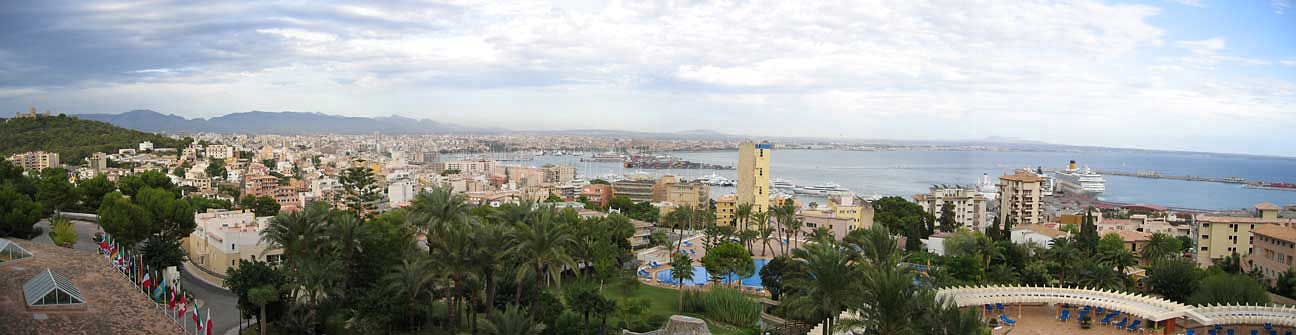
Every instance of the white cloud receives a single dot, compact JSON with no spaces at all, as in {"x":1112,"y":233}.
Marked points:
{"x":1193,"y":3}
{"x":1046,"y":70}
{"x":1280,"y":6}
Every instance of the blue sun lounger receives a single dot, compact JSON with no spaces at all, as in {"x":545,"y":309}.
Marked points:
{"x":1191,"y":332}
{"x":1006,"y":320}
{"x":1134,"y":325}
{"x":1066,"y":314}
{"x":1122,"y":323}
{"x":1107,"y":319}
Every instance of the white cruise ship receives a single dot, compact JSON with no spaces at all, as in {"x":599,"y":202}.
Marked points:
{"x":987,"y":188}
{"x":1075,"y":181}
{"x":782,"y":185}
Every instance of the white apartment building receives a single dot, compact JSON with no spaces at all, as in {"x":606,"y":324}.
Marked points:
{"x":145,"y":146}
{"x":219,"y":151}
{"x":222,"y":238}
{"x":969,"y":206}
{"x":1019,"y":198}
{"x":400,"y":192}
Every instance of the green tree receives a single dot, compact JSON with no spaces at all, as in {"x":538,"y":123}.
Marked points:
{"x":93,"y":190}
{"x":361,"y":190}
{"x":1088,"y":237}
{"x":54,"y":191}
{"x":261,"y":205}
{"x":728,"y":258}
{"x":1286,"y":283}
{"x":18,"y":213}
{"x":681,"y":271}
{"x":216,"y":169}
{"x":132,"y":184}
{"x":62,"y":232}
{"x":127,"y":222}
{"x":172,"y":217}
{"x":1161,"y":246}
{"x":512,"y":321}
{"x":250,"y":275}
{"x":774,"y":274}
{"x":822,"y":291}
{"x":262,"y":296}
{"x":1174,"y":279}
{"x":543,"y":243}
{"x":160,"y":252}
{"x":1226,"y":288}
{"x":947,"y":222}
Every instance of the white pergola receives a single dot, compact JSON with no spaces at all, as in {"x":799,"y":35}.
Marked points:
{"x":1147,"y":307}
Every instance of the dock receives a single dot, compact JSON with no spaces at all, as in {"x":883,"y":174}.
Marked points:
{"x":1158,"y":175}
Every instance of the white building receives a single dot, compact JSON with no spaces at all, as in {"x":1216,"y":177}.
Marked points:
{"x":219,"y":151}
{"x":1036,"y":234}
{"x":145,"y":146}
{"x":400,"y":192}
{"x":222,"y":238}
{"x":969,"y":206}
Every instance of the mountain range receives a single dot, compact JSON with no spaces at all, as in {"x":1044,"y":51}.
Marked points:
{"x":288,"y":123}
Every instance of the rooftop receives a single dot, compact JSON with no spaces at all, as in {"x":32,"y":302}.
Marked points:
{"x":1267,"y":206}
{"x":1041,"y":229}
{"x":1241,"y":219}
{"x":1276,"y":231}
{"x":1023,"y":176}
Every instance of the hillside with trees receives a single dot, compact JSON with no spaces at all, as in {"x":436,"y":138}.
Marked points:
{"x":72,"y":138}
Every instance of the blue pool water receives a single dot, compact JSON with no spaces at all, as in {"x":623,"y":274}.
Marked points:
{"x":700,"y":276}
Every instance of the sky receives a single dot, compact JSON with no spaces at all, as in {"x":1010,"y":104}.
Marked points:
{"x":1199,"y":75}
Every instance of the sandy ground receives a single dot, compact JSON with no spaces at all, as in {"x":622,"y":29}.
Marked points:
{"x":1042,"y":320}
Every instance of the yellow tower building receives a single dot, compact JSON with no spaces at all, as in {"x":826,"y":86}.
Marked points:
{"x":754,"y":175}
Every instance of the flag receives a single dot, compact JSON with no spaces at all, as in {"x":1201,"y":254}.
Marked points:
{"x":160,"y":291}
{"x":147,"y":281}
{"x":171,"y":301}
{"x":197,"y":320}
{"x":183,"y":305}
{"x":209,"y":322}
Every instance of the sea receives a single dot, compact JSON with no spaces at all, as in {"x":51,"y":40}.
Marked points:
{"x":905,"y":173}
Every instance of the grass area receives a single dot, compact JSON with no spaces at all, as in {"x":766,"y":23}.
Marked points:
{"x":664,"y":301}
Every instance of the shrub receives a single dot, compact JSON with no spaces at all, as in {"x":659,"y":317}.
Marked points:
{"x":723,"y":304}
{"x":62,"y":232}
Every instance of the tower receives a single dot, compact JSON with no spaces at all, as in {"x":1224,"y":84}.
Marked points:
{"x":754,"y":175}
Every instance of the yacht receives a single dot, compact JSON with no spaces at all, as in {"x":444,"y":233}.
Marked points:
{"x":821,"y":189}
{"x":782,"y":184}
{"x":1076,"y":181}
{"x":716,"y":180}
{"x":987,"y":188}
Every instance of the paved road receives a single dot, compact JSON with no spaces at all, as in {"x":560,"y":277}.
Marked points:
{"x":222,"y":303}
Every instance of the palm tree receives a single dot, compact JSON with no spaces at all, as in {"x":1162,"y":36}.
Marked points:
{"x":1120,"y":259}
{"x":435,"y":210}
{"x":793,"y":225}
{"x":1099,"y":276}
{"x":889,"y":301}
{"x":826,"y":285}
{"x":490,"y":249}
{"x":874,"y":245}
{"x":743,"y":216}
{"x":1065,"y":253}
{"x":297,"y":233}
{"x":512,"y":321}
{"x":542,"y":243}
{"x":944,"y":317}
{"x":346,"y":233}
{"x":681,"y":271}
{"x":455,"y":251}
{"x":411,"y":279}
{"x":261,"y":296}
{"x":765,"y":232}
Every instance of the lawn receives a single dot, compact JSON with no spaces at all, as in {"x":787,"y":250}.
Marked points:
{"x":663,"y":301}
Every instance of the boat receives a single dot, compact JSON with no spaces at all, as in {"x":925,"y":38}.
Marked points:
{"x":1074,"y":180}
{"x":782,"y":184}
{"x":602,"y":157}
{"x":1049,"y":185}
{"x":716,"y":180}
{"x":1273,"y":186}
{"x":821,"y":189}
{"x":987,"y":188}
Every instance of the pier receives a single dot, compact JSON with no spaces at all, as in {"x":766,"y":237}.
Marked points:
{"x":1157,"y":175}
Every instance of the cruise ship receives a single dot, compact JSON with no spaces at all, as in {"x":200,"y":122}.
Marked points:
{"x":782,"y":185}
{"x":821,"y":189}
{"x":1074,"y":180}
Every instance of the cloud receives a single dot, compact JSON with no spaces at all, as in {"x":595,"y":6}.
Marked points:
{"x":1193,"y":3}
{"x":905,"y":69}
{"x":1280,"y":6}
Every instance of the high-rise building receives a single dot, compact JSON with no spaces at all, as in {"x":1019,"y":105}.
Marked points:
{"x":1019,"y":198}
{"x":754,"y":175}
{"x":35,"y":160}
{"x":969,"y":206}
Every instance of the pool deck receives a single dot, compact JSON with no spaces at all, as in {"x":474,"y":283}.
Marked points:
{"x":1042,"y":320}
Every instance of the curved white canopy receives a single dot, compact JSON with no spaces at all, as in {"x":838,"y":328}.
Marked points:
{"x":1147,"y":307}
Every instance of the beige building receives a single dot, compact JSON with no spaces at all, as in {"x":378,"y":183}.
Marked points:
{"x":219,"y":151}
{"x":1220,"y":236}
{"x":97,"y":161}
{"x":726,"y":209}
{"x":222,"y":238}
{"x":969,"y":206}
{"x":559,"y":174}
{"x":1019,"y":198}
{"x":754,"y":175}
{"x":816,"y":219}
{"x":473,"y":167}
{"x":1274,"y":248}
{"x":847,"y":206}
{"x":36,"y":160}
{"x":636,"y":190}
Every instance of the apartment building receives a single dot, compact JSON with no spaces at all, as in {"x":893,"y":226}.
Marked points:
{"x":636,"y":190}
{"x":558,"y":174}
{"x":852,"y":208}
{"x":968,"y":205}
{"x":468,"y":167}
{"x":1274,"y":247}
{"x":726,"y":209}
{"x":221,"y":238}
{"x":1019,"y":198}
{"x":598,"y":194}
{"x":36,"y":160}
{"x":219,"y":151}
{"x":1220,"y":236}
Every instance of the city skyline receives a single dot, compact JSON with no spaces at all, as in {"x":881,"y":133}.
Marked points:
{"x":1208,"y":76}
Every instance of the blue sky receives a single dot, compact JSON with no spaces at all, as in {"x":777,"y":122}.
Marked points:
{"x":1204,"y":75}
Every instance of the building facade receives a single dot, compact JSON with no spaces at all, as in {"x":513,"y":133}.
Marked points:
{"x":1019,"y":198}
{"x":849,"y":207}
{"x":754,"y":175}
{"x":221,"y":238}
{"x":36,"y":160}
{"x":636,"y":190}
{"x":1220,"y":236}
{"x":598,"y":194}
{"x":1274,"y":248}
{"x":726,"y":209}
{"x":969,"y":206}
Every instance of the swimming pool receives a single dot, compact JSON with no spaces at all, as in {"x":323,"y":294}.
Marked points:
{"x":700,"y":275}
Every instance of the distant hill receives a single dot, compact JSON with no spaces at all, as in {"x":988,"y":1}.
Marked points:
{"x":72,"y":138}
{"x":258,"y":122}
